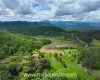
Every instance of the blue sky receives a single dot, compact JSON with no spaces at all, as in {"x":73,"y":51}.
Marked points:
{"x":53,"y":10}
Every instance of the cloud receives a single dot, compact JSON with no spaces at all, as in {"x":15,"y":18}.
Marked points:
{"x":90,"y":5}
{"x":64,"y":10}
{"x":78,"y":7}
{"x":24,"y":10}
{"x":3,"y":12}
{"x":94,"y":16}
{"x":11,"y":4}
{"x":17,"y":7}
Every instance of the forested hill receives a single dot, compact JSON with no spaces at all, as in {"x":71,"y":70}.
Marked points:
{"x":11,"y":44}
{"x":32,"y":28}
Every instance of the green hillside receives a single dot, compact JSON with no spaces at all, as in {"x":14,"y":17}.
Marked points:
{"x":32,"y":29}
{"x":11,"y":44}
{"x":42,"y":49}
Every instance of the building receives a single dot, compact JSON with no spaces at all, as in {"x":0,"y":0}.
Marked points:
{"x":36,"y":56}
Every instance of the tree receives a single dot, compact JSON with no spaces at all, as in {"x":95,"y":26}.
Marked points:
{"x":15,"y":69}
{"x":92,"y":58}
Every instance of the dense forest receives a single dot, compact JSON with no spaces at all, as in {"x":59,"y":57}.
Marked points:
{"x":11,"y":44}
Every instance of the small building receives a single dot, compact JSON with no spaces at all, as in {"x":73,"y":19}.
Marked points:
{"x":36,"y":56}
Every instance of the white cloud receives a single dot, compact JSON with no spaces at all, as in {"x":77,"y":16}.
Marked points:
{"x":92,"y":16}
{"x":64,"y":10}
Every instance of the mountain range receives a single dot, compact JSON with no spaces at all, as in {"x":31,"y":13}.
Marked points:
{"x":76,"y":25}
{"x":61,"y":24}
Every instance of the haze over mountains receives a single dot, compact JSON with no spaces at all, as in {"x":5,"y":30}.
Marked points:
{"x":77,"y":25}
{"x":61,"y":24}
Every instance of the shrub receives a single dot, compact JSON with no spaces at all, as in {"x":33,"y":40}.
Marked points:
{"x":15,"y":69}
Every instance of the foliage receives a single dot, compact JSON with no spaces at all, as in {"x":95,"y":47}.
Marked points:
{"x":11,"y":44}
{"x":85,"y":38}
{"x":38,"y":66}
{"x":92,"y":58}
{"x":15,"y":69}
{"x":12,"y":72}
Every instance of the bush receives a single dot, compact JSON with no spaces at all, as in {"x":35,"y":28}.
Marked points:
{"x":45,"y":63}
{"x":38,"y":65}
{"x":85,"y":38}
{"x":15,"y":69}
{"x":92,"y":58}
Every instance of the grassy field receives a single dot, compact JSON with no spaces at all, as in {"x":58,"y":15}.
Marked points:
{"x":95,"y":42}
{"x":72,"y":66}
{"x":96,"y":73}
{"x":69,"y":57}
{"x":57,"y":43}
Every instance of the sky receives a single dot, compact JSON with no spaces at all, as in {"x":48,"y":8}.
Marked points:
{"x":53,"y":10}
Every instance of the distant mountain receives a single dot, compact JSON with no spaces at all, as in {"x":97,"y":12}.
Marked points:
{"x":23,"y":24}
{"x":33,"y":28}
{"x":76,"y":25}
{"x":61,"y":24}
{"x":47,"y":28}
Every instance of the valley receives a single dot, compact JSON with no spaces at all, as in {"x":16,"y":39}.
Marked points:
{"x":68,"y":56}
{"x":25,"y":51}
